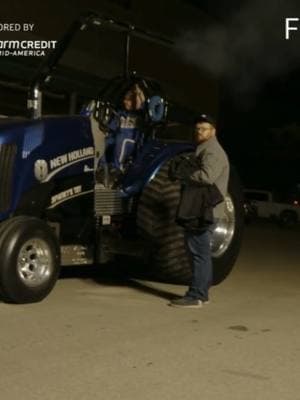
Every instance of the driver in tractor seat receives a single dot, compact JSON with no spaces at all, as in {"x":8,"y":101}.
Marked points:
{"x":124,"y":132}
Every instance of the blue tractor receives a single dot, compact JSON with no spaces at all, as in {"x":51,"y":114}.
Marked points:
{"x":62,"y":202}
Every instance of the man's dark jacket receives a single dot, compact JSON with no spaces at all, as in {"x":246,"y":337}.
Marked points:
{"x":195,"y":210}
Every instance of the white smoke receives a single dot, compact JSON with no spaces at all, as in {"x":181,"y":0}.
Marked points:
{"x":249,"y":48}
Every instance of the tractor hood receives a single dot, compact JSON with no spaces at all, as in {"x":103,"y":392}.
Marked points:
{"x":14,"y":129}
{"x":10,"y":121}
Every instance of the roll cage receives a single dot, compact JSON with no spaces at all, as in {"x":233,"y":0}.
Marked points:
{"x":113,"y":90}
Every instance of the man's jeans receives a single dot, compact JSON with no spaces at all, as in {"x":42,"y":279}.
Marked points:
{"x":198,"y":248}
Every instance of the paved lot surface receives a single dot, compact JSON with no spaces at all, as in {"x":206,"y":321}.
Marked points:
{"x":105,"y":339}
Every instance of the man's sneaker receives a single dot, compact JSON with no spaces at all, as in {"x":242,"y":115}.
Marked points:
{"x":187,"y":302}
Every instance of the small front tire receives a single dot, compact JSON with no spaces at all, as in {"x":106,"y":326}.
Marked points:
{"x":30,"y":261}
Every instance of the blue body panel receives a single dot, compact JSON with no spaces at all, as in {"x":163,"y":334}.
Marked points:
{"x":153,"y":155}
{"x":45,"y":139}
{"x":53,"y":141}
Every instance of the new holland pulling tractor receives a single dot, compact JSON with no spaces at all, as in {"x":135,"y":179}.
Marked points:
{"x":54,"y":208}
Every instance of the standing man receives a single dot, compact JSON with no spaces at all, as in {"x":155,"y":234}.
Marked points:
{"x":213,"y":170}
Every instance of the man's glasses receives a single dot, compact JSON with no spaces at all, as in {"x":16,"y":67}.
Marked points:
{"x":196,"y":130}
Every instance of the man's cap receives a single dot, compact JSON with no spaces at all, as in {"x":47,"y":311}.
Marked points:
{"x":206,"y":118}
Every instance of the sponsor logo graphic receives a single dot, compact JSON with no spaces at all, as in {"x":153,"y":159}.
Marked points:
{"x":44,"y":170}
{"x":71,"y":157}
{"x":128,"y":122}
{"x":41,"y":170}
{"x":23,"y":48}
{"x":87,"y":169}
{"x":25,"y":27}
{"x":66,"y":195}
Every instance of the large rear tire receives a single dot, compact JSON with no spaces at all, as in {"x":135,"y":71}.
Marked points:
{"x":156,"y":221}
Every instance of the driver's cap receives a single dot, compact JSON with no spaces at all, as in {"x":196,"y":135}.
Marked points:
{"x":206,"y":118}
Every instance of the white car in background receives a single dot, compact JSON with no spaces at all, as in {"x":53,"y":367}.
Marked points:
{"x":263,"y":204}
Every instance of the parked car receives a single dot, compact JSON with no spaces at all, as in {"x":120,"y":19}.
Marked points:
{"x":264,"y":204}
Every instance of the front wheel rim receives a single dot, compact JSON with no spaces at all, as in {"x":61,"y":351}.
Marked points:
{"x":35,"y":262}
